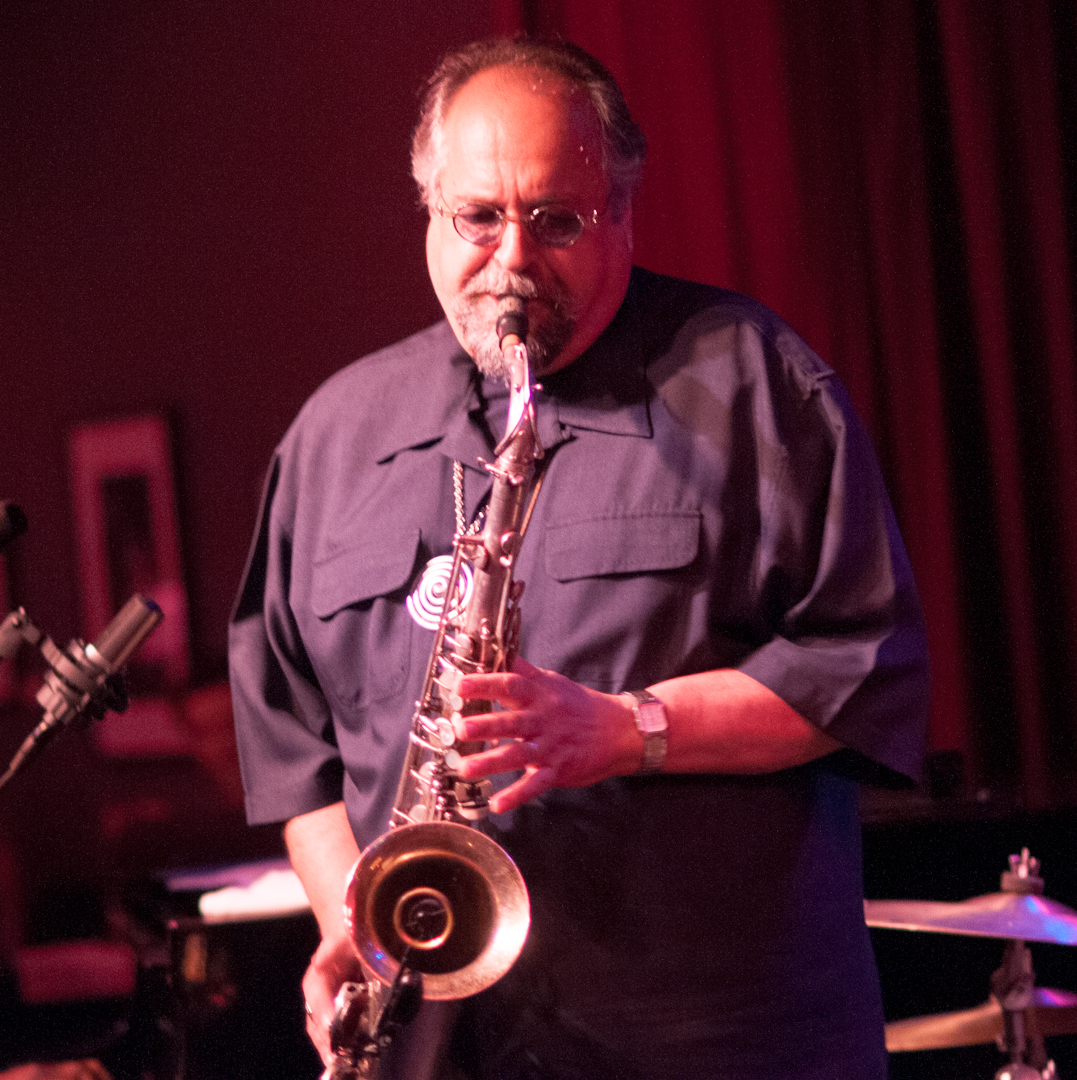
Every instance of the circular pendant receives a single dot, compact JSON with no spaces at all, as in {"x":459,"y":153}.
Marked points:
{"x":427,"y":600}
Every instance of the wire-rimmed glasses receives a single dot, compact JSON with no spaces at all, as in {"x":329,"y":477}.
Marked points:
{"x":550,"y":226}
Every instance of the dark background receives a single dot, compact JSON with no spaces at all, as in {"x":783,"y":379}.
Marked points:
{"x":205,"y":209}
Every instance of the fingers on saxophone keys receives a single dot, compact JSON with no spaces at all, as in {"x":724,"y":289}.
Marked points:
{"x":499,"y":725}
{"x":528,"y":787}
{"x":503,"y":758}
{"x":503,"y":687}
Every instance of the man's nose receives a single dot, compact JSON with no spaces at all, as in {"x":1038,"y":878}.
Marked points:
{"x":517,"y":248}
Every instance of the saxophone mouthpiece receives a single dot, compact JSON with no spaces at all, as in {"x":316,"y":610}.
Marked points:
{"x":511,"y":320}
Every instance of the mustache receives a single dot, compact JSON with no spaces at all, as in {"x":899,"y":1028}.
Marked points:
{"x":496,"y":281}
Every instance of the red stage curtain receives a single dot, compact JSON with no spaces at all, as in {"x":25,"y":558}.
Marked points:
{"x":890,"y":178}
{"x":1000,"y":77}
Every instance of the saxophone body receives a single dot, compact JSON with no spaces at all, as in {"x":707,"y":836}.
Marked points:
{"x":435,"y":908}
{"x":478,"y":630}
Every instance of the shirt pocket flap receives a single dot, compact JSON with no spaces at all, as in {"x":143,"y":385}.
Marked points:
{"x":628,"y":544}
{"x":352,"y":575}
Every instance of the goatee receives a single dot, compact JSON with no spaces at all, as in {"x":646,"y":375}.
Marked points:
{"x":545,"y":341}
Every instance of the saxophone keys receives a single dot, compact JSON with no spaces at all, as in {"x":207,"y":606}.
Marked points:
{"x":447,"y":682}
{"x":472,"y":799}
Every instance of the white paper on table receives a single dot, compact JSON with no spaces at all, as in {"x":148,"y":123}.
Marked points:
{"x":275,"y":893}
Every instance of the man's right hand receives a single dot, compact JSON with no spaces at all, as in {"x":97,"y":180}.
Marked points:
{"x":332,"y":965}
{"x":323,"y":849}
{"x":89,"y":1069}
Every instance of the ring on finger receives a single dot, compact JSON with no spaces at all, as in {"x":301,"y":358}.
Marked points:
{"x":306,"y":1008}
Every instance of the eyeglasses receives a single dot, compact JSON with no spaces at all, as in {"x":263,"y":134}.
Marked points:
{"x":550,"y":226}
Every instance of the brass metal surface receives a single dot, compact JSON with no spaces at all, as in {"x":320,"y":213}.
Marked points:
{"x":1001,"y":915}
{"x":485,"y":892}
{"x":1056,"y":1012}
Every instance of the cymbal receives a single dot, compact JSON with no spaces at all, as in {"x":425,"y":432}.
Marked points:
{"x":1023,"y":917}
{"x":1056,"y":1011}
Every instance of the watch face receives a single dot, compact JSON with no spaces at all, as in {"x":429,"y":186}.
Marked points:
{"x":652,"y":717}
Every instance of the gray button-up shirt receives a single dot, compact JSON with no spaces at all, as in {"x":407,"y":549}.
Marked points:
{"x":710,"y":500}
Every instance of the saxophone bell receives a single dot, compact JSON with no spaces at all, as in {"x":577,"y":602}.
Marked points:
{"x":444,"y":899}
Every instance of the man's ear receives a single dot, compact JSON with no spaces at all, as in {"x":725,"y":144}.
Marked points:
{"x":621,"y":214}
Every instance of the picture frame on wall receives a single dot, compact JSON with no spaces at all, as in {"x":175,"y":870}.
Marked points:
{"x":128,"y":541}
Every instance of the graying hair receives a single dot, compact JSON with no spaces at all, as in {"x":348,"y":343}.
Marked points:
{"x":623,"y":144}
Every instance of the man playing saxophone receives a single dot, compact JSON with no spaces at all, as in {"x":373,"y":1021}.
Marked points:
{"x":718,"y":637}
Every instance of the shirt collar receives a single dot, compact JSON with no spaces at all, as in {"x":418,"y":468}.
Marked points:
{"x":439,"y":395}
{"x":606,"y":388}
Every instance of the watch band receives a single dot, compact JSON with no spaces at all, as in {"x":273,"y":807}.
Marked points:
{"x":650,"y":716}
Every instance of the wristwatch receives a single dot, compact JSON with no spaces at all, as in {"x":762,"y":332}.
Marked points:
{"x":650,"y":715}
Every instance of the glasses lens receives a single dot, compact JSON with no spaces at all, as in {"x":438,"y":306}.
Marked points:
{"x":477,"y":224}
{"x":550,"y":226}
{"x":556,"y":228}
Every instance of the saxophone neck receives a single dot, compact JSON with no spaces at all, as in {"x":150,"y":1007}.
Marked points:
{"x":521,"y":439}
{"x":521,"y":442}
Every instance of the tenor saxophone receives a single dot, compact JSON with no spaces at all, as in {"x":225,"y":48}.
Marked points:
{"x":435,"y":908}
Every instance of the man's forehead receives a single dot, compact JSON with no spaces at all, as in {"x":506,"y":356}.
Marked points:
{"x":517,"y":117}
{"x":491,"y":85}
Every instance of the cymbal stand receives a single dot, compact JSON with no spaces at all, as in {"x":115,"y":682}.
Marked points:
{"x":1012,"y":987}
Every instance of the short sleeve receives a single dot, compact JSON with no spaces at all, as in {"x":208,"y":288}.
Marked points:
{"x":849,"y":653}
{"x":284,"y":730}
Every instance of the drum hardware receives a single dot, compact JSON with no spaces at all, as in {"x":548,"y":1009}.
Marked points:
{"x":1018,"y":1015}
{"x":1020,"y":916}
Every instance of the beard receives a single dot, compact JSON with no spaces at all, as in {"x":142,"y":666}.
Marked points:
{"x":545,"y":340}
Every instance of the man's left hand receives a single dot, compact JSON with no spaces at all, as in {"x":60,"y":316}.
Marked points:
{"x":563,"y":734}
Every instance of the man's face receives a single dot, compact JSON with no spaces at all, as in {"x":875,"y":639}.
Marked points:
{"x":517,"y":139}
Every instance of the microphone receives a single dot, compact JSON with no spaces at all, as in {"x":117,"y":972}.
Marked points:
{"x":79,"y":670}
{"x":12,"y":522}
{"x":81,"y":679}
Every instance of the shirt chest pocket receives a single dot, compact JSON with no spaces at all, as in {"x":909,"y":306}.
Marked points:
{"x":620,"y":599}
{"x":624,"y":544}
{"x":364,"y":631}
